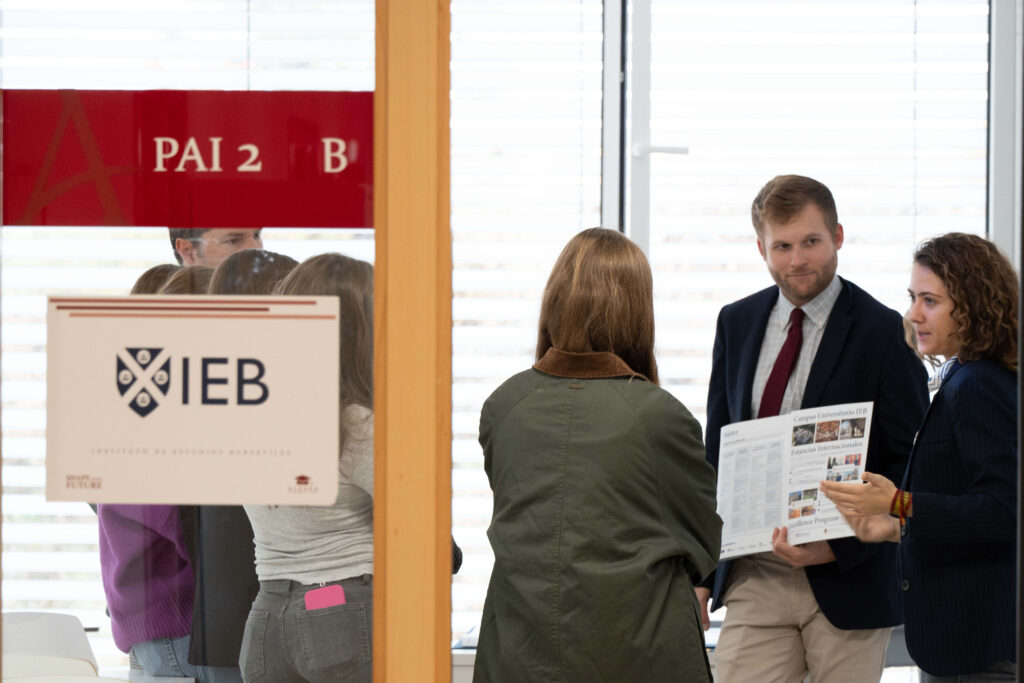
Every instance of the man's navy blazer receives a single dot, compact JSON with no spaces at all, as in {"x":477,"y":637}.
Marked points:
{"x":959,"y":551}
{"x":862,"y":357}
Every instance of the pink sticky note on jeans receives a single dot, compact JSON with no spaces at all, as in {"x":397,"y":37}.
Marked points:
{"x":328,"y":596}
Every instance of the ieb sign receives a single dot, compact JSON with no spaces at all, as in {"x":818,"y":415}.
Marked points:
{"x":193,"y":400}
{"x":188,"y":159}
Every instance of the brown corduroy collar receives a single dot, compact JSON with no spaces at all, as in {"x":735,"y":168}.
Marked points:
{"x":592,"y":365}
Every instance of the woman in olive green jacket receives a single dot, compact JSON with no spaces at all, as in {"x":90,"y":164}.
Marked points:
{"x":604,"y":507}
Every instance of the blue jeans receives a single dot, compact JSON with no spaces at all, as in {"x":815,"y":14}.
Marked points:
{"x":169,"y":657}
{"x":286,"y":643}
{"x":999,"y":671}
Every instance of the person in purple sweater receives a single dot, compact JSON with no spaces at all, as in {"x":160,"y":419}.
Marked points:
{"x":148,"y":578}
{"x":149,"y":584}
{"x":146,"y":572}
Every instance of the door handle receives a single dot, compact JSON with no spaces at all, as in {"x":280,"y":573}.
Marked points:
{"x":640,"y":149}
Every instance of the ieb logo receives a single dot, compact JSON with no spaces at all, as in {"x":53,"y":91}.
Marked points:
{"x":144,"y":375}
{"x":141,"y":375}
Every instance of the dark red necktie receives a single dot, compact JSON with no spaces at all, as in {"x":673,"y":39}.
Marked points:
{"x":771,"y":399}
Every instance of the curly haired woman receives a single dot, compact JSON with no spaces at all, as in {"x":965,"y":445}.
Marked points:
{"x":955,"y":512}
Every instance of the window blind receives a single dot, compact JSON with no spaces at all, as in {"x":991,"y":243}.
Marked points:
{"x":50,"y":556}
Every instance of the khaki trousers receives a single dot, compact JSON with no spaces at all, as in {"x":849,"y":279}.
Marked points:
{"x":774,"y":631}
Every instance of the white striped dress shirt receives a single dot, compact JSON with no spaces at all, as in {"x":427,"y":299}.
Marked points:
{"x":816,"y":312}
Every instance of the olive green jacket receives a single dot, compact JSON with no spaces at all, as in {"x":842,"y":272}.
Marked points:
{"x":604,"y":518}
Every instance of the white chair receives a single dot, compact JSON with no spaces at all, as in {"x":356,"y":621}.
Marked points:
{"x":37,"y":644}
{"x":18,"y":665}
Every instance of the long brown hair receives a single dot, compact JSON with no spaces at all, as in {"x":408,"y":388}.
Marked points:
{"x":599,"y":297}
{"x":351,"y":280}
{"x":983,"y":286}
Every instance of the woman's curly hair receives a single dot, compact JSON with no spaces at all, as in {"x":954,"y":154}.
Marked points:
{"x":984,"y":289}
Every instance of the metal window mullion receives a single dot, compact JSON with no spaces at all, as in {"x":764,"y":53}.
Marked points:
{"x":613,"y":124}
{"x":1004,"y":125}
{"x":640,"y":126}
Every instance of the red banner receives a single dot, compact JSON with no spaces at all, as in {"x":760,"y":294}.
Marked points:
{"x":188,"y":159}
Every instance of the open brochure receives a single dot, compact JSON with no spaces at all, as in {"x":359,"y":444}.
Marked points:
{"x":769,"y":470}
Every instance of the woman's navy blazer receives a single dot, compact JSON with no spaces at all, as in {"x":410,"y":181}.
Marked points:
{"x":958,"y":555}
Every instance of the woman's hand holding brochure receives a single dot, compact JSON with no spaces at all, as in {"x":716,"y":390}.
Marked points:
{"x":866,"y":507}
{"x":873,"y":497}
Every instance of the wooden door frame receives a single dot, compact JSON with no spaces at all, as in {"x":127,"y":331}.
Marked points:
{"x":412,"y":320}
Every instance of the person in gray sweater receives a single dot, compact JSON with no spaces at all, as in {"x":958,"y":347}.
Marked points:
{"x":313,"y":617}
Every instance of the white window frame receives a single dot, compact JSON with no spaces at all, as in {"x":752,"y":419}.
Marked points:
{"x":1005,"y":131}
{"x":1006,"y":75}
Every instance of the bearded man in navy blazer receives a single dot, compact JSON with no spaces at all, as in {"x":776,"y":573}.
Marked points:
{"x":824,"y":608}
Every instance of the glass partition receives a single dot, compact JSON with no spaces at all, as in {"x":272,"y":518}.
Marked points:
{"x":51,"y":553}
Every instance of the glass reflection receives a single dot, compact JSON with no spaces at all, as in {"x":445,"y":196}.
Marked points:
{"x":178,"y":582}
{"x":320,"y":559}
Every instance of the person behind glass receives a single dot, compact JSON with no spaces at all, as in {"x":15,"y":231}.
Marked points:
{"x":954,"y":515}
{"x":604,"y":506}
{"x":153,"y":279}
{"x":823,"y":608}
{"x":147,"y":571}
{"x":188,"y":280}
{"x":219,"y":537}
{"x":253,"y":272}
{"x":313,"y":619}
{"x":210,"y":246}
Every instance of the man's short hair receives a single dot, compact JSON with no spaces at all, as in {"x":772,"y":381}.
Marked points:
{"x":784,"y":196}
{"x":190,"y":234}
